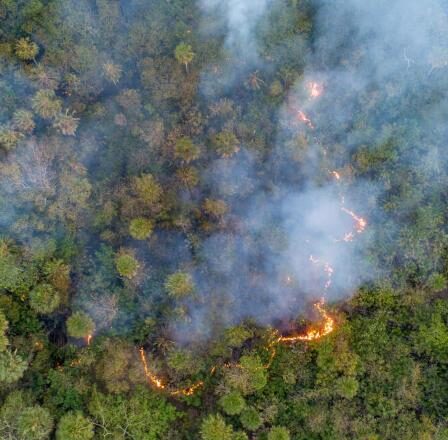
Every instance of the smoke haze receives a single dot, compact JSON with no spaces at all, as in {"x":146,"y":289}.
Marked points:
{"x":401,"y":47}
{"x":374,"y":63}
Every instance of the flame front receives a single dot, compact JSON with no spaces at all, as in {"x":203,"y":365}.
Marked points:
{"x":360,"y":222}
{"x":188,"y":391}
{"x":313,"y":334}
{"x":151,"y":377}
{"x":158,"y":382}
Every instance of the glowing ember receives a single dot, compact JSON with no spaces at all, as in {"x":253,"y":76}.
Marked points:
{"x":89,"y":339}
{"x":361,"y":223}
{"x":188,"y":391}
{"x":336,"y":175}
{"x":315,"y":89}
{"x":349,"y":236}
{"x":313,"y":334}
{"x":313,"y":260}
{"x":328,"y":269}
{"x":301,"y":116}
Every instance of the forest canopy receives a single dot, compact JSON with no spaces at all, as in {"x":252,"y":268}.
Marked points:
{"x":223,"y":220}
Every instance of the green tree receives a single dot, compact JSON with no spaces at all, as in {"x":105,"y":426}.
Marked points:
{"x":237,"y":335}
{"x":112,"y":72}
{"x":179,"y":285}
{"x":248,"y":376}
{"x":80,"y":325}
{"x":276,"y":88}
{"x":250,"y":419}
{"x":437,"y":282}
{"x":66,"y":123}
{"x":116,"y":365}
{"x":10,"y":273}
{"x":147,"y":188}
{"x":240,"y":435}
{"x":215,"y":208}
{"x":9,"y":138}
{"x":12,"y":367}
{"x":278,"y":433}
{"x":9,"y":412}
{"x":232,"y":403}
{"x":183,"y":361}
{"x":432,"y":337}
{"x":74,"y":426}
{"x":141,"y":228}
{"x":58,"y":274}
{"x":127,"y":265}
{"x":184,"y":54}
{"x":44,"y":298}
{"x":34,"y":423}
{"x":188,"y":176}
{"x":3,"y":329}
{"x":45,"y":104}
{"x":144,"y":415}
{"x":347,"y":387}
{"x":186,"y":150}
{"x":215,"y":428}
{"x":225,"y":143}
{"x":23,"y":121}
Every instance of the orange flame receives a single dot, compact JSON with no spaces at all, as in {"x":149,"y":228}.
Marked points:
{"x":336,"y":175}
{"x":158,"y":383}
{"x":315,"y":89}
{"x":313,"y":334}
{"x":151,"y":377}
{"x":301,"y":116}
{"x":361,"y":223}
{"x":328,"y":269}
{"x":310,"y":335}
{"x":188,"y":391}
{"x":89,"y":339}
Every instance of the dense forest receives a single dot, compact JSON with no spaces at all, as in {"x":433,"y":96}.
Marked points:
{"x":223,"y":220}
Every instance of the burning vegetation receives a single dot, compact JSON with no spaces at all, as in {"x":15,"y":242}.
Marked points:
{"x":223,"y":220}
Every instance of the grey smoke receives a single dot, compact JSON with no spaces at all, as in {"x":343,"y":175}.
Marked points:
{"x":238,"y":20}
{"x":374,"y":58}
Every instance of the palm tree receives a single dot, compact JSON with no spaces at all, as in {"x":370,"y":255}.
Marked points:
{"x":184,"y":54}
{"x":26,"y":49}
